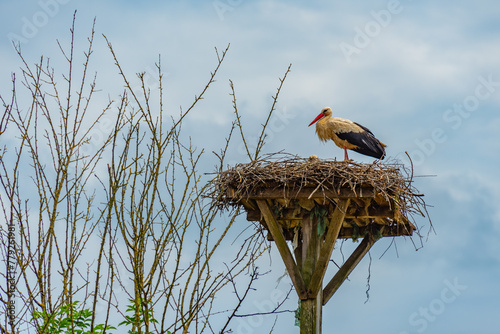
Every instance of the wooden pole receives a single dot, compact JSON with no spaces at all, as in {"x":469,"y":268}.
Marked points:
{"x":310,"y":308}
{"x":307,"y":270}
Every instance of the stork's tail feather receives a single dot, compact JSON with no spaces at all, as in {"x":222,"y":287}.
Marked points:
{"x":372,"y":148}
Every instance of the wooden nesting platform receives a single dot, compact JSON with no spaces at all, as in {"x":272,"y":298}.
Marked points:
{"x":313,"y":203}
{"x":380,"y":196}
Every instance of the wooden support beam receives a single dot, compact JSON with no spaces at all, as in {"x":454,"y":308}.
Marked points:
{"x":347,"y":267}
{"x":286,"y":254}
{"x":327,"y":247}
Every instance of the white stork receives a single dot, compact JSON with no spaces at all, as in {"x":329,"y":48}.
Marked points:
{"x":347,"y":134}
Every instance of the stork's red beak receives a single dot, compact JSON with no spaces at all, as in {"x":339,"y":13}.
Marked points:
{"x":317,"y":119}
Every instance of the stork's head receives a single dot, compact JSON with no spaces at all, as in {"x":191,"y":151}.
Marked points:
{"x":326,"y":112}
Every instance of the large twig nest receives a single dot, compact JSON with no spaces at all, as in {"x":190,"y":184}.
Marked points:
{"x":380,"y":194}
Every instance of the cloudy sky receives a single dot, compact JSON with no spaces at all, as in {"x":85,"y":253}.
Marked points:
{"x":423,"y":75}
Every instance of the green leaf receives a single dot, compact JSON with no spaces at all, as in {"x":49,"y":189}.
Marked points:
{"x":321,"y":213}
{"x":377,"y":234}
{"x":60,"y":320}
{"x":297,"y":315}
{"x":355,"y":232}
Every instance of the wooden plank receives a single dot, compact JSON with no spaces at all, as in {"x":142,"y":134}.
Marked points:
{"x":310,"y":193}
{"x":285,"y":252}
{"x":254,"y":215}
{"x":389,"y":231}
{"x":327,"y":248}
{"x":311,"y":248}
{"x":307,"y":239}
{"x":298,"y":252}
{"x":248,"y":204}
{"x":348,"y":232}
{"x":347,"y":268}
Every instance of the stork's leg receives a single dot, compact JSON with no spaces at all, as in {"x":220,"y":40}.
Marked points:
{"x":346,"y":157}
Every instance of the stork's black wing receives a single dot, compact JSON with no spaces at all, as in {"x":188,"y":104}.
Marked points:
{"x":365,"y":141}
